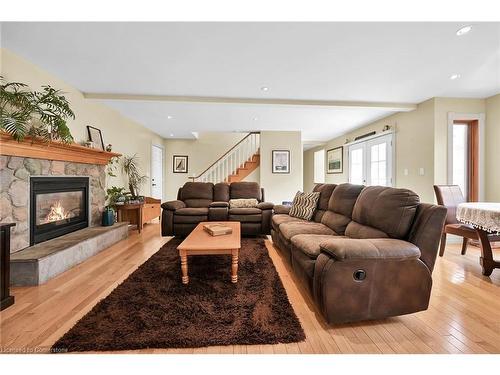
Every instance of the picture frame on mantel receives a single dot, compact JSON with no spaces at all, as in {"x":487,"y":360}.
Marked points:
{"x":180,"y":164}
{"x":335,"y":160}
{"x":95,"y":136}
{"x":281,"y":161}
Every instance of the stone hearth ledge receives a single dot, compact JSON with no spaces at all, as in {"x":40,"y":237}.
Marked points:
{"x":37,"y":264}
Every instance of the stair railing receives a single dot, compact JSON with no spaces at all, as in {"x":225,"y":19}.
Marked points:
{"x":234,"y":158}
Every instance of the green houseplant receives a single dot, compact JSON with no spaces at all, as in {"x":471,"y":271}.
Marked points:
{"x":41,"y":114}
{"x":130,"y":167}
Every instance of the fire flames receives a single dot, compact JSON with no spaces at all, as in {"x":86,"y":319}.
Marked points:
{"x":57,"y":212}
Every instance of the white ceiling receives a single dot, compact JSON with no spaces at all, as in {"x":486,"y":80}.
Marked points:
{"x":380,"y":62}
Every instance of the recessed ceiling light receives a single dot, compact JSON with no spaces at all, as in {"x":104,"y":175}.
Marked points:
{"x":454,"y":76}
{"x":170,"y":117}
{"x":464,"y":30}
{"x":171,"y":134}
{"x":255,"y":118}
{"x":264,"y":88}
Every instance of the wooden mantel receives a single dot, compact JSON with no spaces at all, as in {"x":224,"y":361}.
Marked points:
{"x":53,"y":151}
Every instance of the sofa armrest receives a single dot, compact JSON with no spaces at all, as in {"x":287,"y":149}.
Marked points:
{"x":265,"y":206}
{"x":219,"y":204}
{"x":281,"y":209}
{"x":173,"y":205}
{"x":345,"y":249}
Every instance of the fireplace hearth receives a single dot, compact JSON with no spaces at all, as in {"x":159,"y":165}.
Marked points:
{"x":58,"y":205}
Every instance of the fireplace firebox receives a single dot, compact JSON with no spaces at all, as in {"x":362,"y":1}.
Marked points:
{"x":58,"y":205}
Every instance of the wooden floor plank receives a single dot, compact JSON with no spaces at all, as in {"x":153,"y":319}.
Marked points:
{"x":463,"y":315}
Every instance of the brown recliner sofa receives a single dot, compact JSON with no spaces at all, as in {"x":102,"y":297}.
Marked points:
{"x":367,"y":254}
{"x":204,"y":201}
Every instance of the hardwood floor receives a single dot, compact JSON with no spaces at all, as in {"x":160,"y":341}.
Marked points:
{"x":463,"y":317}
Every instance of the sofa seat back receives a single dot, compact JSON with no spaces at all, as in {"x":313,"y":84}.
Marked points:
{"x":325,"y":191}
{"x":340,"y":207}
{"x":197,"y":194}
{"x":381,"y":212}
{"x":245,"y":190}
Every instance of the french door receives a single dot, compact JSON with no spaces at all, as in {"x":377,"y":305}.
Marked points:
{"x":370,"y":162}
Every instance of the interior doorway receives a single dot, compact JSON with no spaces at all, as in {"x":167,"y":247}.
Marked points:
{"x":157,"y":172}
{"x":464,"y":168}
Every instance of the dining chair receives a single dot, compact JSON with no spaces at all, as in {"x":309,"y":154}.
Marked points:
{"x":451,"y":196}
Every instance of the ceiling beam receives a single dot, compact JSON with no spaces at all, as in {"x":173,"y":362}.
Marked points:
{"x":395,"y":107}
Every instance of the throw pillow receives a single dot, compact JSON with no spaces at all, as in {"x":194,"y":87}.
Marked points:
{"x":243,"y":203}
{"x":304,"y":205}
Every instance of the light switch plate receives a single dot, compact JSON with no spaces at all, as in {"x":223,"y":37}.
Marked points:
{"x":405,"y":171}
{"x":421,"y":171}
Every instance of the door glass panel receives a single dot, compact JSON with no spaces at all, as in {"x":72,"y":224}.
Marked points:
{"x":356,"y":174}
{"x":460,"y":147}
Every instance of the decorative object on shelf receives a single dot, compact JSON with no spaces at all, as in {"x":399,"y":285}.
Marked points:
{"x":109,"y":147}
{"x":89,"y":144}
{"x":6,"y":299}
{"x":95,"y":136}
{"x":281,"y":161}
{"x":108,"y":216}
{"x":335,"y":160}
{"x":180,"y":164}
{"x":40,"y":115}
{"x":365,"y":135}
{"x":130,"y":167}
{"x":386,"y":128}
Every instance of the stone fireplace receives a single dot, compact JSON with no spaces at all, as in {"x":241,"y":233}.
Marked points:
{"x":17,"y":175}
{"x":58,"y":205}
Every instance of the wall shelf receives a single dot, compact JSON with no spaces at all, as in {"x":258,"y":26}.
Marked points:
{"x":54,"y":151}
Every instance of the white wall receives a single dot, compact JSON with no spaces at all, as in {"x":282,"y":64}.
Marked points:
{"x":281,"y":187}
{"x":126,"y":136}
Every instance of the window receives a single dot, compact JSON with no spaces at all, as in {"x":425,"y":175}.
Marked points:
{"x":370,"y":162}
{"x":319,"y":167}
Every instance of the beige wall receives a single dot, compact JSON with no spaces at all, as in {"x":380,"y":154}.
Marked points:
{"x":492,"y":162}
{"x":281,"y":187}
{"x":413,"y":146}
{"x":126,"y":136}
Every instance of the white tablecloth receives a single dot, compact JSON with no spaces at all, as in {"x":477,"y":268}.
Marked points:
{"x":482,"y":215}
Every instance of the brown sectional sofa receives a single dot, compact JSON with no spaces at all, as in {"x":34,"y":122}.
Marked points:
{"x":203,"y":201}
{"x":367,"y":254}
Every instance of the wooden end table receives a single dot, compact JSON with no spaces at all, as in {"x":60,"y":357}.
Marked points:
{"x":199,"y":242}
{"x":131,"y":213}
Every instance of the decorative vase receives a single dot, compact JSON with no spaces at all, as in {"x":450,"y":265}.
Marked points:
{"x":109,"y":147}
{"x":108,"y":217}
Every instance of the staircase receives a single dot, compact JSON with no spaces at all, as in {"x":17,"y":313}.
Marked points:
{"x":236,"y":164}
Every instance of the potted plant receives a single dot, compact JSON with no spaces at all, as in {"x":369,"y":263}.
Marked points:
{"x":130,"y":167}
{"x":41,"y":115}
{"x":114,"y":196}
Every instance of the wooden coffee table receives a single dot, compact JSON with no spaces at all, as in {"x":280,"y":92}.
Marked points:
{"x":200,"y":242}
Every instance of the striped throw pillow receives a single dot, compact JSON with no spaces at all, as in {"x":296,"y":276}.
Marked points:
{"x":304,"y":205}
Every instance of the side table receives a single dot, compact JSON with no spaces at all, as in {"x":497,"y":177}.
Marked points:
{"x":131,"y":213}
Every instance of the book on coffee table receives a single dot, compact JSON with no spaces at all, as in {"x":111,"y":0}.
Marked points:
{"x":217,"y":229}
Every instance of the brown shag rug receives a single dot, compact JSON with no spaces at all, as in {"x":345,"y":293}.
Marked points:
{"x":153,"y":309}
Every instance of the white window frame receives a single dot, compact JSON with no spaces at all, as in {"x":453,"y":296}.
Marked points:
{"x":365,"y":145}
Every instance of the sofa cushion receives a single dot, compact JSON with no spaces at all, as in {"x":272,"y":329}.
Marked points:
{"x":221,"y":192}
{"x":197,"y":194}
{"x":309,"y":244}
{"x":245,"y":211}
{"x":325,"y":191}
{"x":304,"y":205}
{"x":243,"y":203}
{"x":279,"y":219}
{"x":386,"y":209}
{"x":191,"y":211}
{"x":340,"y":207}
{"x":288,"y":230}
{"x":245,"y":189}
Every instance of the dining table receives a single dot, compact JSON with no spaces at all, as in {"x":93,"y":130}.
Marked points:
{"x":484,"y":217}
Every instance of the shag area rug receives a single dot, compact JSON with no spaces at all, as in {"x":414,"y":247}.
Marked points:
{"x":153,"y":309}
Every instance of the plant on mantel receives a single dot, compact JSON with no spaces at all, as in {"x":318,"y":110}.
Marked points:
{"x":40,"y":115}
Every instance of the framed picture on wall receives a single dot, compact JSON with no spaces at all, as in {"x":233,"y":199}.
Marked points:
{"x":281,"y":161}
{"x":180,"y":164}
{"x":335,"y":160}
{"x":95,"y":136}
